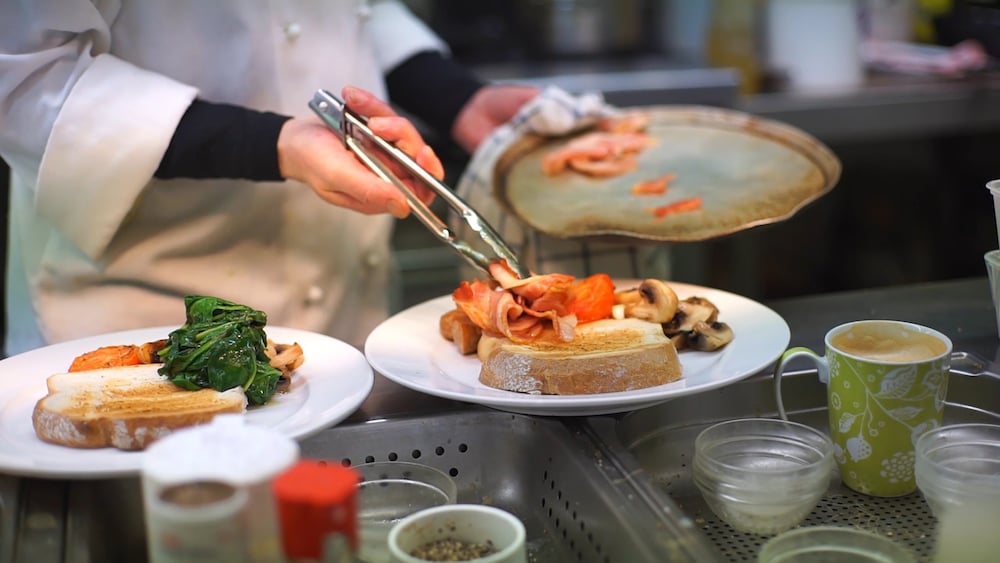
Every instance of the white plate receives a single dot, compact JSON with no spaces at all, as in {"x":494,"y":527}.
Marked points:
{"x":408,"y":349}
{"x":334,"y":380}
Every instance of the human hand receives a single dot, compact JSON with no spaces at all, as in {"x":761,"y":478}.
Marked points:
{"x":490,"y":107}
{"x":310,"y":153}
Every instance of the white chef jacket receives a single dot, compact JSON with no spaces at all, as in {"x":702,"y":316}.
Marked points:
{"x":92,"y":91}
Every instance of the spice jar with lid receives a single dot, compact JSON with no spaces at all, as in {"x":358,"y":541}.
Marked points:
{"x":197,"y":521}
{"x":225,"y":451}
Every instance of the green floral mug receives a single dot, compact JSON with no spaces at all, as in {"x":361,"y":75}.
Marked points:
{"x":886,"y":385}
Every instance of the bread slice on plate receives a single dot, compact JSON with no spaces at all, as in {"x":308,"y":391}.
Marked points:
{"x":604,"y":356}
{"x":124,"y":407}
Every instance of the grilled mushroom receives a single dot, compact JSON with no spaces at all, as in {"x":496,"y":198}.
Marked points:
{"x":680,"y":340}
{"x":708,"y":336}
{"x":657,"y":302}
{"x":628,"y":296}
{"x":690,"y":312}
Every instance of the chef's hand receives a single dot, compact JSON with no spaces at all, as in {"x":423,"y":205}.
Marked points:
{"x":490,"y":107}
{"x":310,"y":153}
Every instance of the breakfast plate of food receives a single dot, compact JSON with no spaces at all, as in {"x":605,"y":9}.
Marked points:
{"x":86,"y":408}
{"x":649,"y":343}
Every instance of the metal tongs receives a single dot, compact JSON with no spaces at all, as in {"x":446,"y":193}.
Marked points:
{"x":384,"y":159}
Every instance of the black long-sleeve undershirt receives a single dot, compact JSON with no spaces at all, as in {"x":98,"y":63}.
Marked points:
{"x":223,"y":141}
{"x":215,"y":140}
{"x":432,"y":87}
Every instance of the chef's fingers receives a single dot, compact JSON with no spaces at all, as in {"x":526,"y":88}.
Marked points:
{"x":384,"y":122}
{"x":361,"y":191}
{"x":365,"y":103}
{"x":312,"y":154}
{"x":429,"y":162}
{"x":401,"y":132}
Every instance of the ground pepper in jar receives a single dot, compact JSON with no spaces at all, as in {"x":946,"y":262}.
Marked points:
{"x":453,"y":550}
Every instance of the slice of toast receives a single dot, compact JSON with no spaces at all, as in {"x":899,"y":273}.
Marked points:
{"x":124,"y":407}
{"x":604,"y":356}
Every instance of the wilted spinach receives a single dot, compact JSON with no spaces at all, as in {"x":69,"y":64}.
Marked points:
{"x":221,"y":345}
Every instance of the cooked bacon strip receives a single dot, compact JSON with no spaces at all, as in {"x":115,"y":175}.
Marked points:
{"x":656,"y":186}
{"x":501,"y":271}
{"x":520,"y":309}
{"x":607,"y":168}
{"x":533,"y":287}
{"x":505,"y":310}
{"x":599,"y":146}
{"x":680,"y":206}
{"x":477,"y":300}
{"x":629,"y":122}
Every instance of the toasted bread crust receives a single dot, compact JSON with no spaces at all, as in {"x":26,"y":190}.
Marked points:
{"x":125,"y":434}
{"x":621,"y":356}
{"x":128,"y":409}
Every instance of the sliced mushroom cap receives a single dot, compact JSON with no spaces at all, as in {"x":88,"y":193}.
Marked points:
{"x":657,"y":302}
{"x":690,"y":312}
{"x":628,"y":296}
{"x":680,"y":341}
{"x":710,"y":336}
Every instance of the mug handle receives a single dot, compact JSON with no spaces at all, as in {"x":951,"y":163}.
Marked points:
{"x":822,"y":369}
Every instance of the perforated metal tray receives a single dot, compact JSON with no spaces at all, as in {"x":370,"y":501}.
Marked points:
{"x":573,"y":497}
{"x":659,"y":441}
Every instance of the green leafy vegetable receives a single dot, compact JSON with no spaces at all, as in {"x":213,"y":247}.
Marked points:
{"x":221,"y":345}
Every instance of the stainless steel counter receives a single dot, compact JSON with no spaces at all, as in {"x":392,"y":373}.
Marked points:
{"x":50,"y":520}
{"x":888,"y":106}
{"x":633,"y":82}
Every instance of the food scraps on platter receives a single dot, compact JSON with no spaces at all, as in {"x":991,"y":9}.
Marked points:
{"x":611,"y":151}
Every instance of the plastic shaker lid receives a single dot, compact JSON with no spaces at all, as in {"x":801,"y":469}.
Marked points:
{"x":316,"y":500}
{"x":226,"y":449}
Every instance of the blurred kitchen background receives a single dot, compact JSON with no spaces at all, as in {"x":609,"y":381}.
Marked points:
{"x":905,"y":92}
{"x":918,"y":134}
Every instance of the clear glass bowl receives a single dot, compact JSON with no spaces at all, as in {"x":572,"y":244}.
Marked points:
{"x":390,"y":491}
{"x":830,"y":543}
{"x":762,"y":475}
{"x":958,"y":464}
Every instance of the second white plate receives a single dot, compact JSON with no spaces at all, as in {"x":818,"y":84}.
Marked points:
{"x":332,"y":382}
{"x":408,"y":349}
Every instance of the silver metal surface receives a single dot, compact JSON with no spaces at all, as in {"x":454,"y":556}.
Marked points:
{"x":10,"y":490}
{"x":887,"y":107}
{"x":660,"y":440}
{"x":387,"y":161}
{"x":636,"y":82}
{"x":96,"y":534}
{"x":41,"y":521}
{"x":574,"y":500}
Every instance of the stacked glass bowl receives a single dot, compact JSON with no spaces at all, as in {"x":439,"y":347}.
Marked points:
{"x":959,"y":465}
{"x":762,"y":475}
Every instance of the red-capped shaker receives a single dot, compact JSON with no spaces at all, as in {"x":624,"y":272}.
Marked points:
{"x":316,"y":500}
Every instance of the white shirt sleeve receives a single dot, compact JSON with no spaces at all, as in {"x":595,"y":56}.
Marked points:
{"x":89,"y":128}
{"x":122,"y":118}
{"x":397,"y":34}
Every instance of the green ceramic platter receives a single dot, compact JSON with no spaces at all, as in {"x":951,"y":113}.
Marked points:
{"x":747,"y":170}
